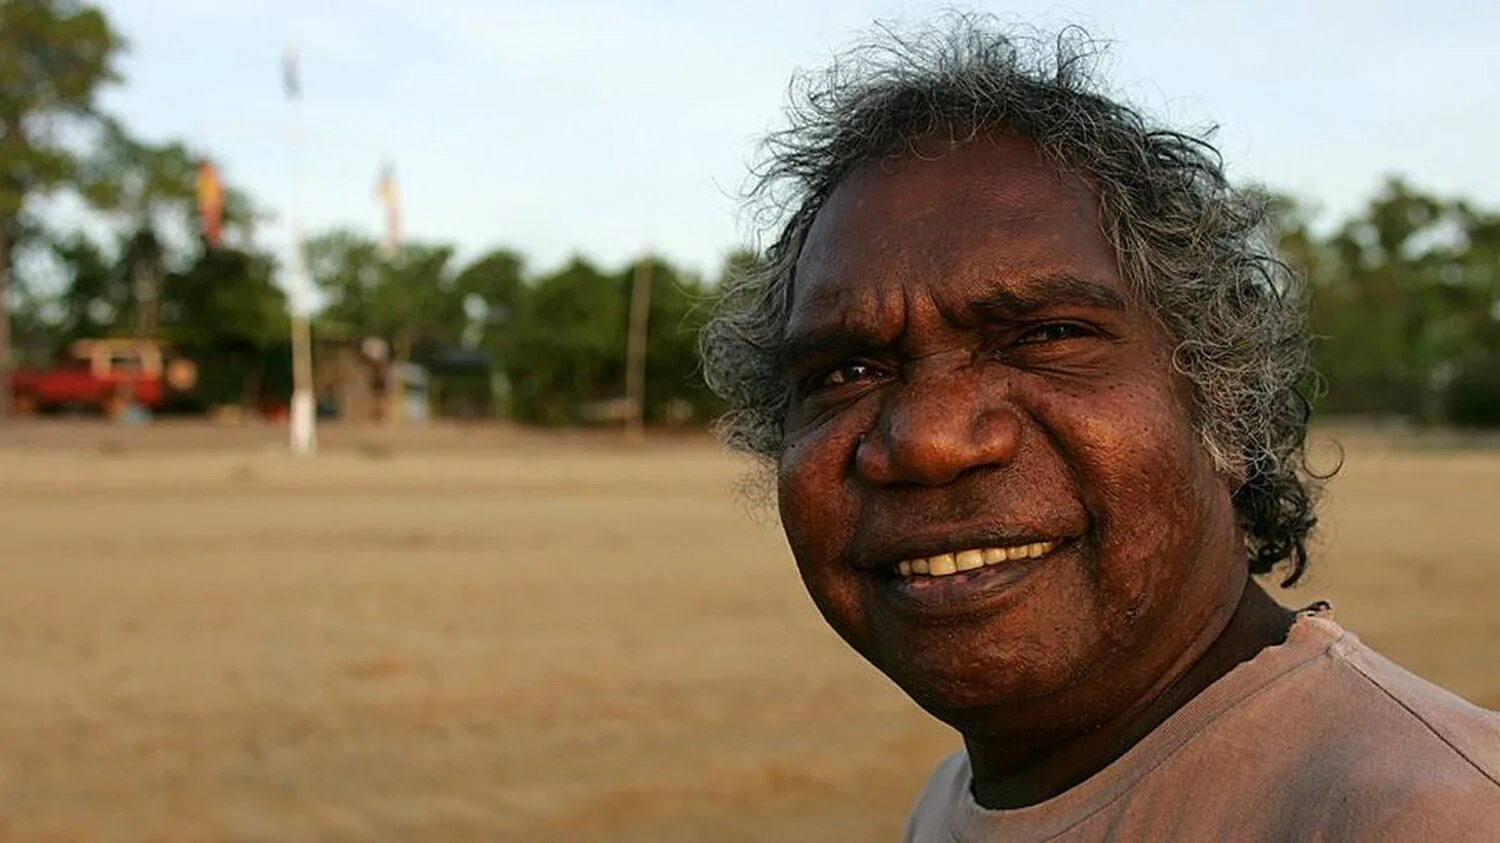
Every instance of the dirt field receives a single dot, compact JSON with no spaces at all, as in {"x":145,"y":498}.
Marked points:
{"x":486,"y":634}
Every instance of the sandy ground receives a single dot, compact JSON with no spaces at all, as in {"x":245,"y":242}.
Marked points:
{"x":496,"y":635}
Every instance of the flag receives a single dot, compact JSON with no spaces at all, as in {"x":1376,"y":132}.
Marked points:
{"x":210,"y":202}
{"x":289,"y":76}
{"x":385,"y":192}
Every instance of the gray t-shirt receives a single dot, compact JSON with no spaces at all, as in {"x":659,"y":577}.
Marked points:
{"x":1319,"y":738}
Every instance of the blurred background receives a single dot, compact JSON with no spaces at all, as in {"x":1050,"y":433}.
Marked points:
{"x":354,"y":474}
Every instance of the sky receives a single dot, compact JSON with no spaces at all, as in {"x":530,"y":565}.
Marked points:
{"x":612,"y":129}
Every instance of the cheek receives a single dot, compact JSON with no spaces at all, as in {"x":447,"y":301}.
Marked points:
{"x":815,"y":484}
{"x":810,"y":485}
{"x":1150,"y":492}
{"x":818,"y":512}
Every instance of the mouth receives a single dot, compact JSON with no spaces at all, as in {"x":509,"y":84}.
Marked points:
{"x":950,"y":563}
{"x":971,"y":581}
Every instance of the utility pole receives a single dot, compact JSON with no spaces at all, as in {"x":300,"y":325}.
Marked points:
{"x":304,"y":434}
{"x":147,"y":300}
{"x":635,"y":353}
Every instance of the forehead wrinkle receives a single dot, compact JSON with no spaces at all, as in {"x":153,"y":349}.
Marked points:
{"x":915,"y":295}
{"x":875,"y":310}
{"x":876,"y":245}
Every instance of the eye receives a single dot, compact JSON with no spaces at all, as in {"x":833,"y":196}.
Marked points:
{"x":843,"y":375}
{"x":1052,"y":332}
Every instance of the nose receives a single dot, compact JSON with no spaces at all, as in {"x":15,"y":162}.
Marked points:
{"x":934,"y":431}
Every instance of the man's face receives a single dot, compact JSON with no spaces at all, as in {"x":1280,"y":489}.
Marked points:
{"x":974,"y":385}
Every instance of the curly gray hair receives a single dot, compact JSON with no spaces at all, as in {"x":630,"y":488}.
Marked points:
{"x":1195,"y":250}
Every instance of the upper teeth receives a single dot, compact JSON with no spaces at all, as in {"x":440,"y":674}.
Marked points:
{"x":944,"y":564}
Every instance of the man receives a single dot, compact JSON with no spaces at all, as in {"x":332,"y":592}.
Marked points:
{"x":1028,"y":371}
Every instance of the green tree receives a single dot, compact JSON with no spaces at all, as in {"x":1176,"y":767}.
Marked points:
{"x":346,"y":269}
{"x":217,"y":305}
{"x":567,"y":348}
{"x":409,"y":299}
{"x":674,"y":382}
{"x":225,"y":312}
{"x":569,"y":344}
{"x":1404,"y":305}
{"x":54,"y":56}
{"x":493,"y":290}
{"x":1473,"y":278}
{"x":150,"y":191}
{"x":96,"y":295}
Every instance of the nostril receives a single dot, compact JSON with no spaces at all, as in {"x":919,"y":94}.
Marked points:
{"x":937,"y":449}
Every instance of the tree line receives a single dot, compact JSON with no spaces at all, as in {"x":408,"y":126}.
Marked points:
{"x":555,"y":339}
{"x":1405,"y":291}
{"x":1405,"y":306}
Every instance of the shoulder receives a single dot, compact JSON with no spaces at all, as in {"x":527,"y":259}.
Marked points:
{"x":940,"y":797}
{"x":1427,"y":721}
{"x":1443,"y":803}
{"x":1398,"y":757}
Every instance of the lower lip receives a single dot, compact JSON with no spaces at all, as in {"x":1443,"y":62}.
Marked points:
{"x":977,"y":591}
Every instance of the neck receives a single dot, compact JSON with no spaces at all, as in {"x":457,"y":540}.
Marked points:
{"x":1006,"y":778}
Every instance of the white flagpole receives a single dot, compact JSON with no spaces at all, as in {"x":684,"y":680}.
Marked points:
{"x":304,"y":434}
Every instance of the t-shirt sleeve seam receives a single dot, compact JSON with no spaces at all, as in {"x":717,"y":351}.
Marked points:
{"x":1359,"y":669}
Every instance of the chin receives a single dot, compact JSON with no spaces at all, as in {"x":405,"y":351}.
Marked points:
{"x":959,"y":672}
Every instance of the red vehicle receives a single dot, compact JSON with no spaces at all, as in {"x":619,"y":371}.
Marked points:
{"x":105,"y":374}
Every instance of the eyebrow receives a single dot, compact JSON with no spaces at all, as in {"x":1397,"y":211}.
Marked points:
{"x":818,"y":344}
{"x":1048,"y":291}
{"x":1040,"y":292}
